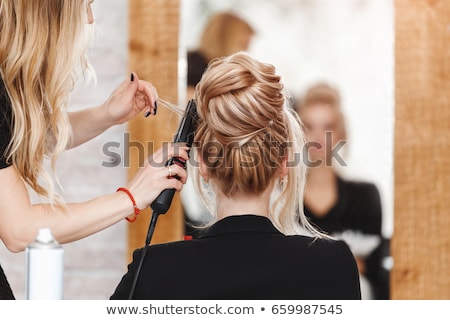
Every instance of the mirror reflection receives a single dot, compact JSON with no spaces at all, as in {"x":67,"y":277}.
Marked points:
{"x":336,"y":62}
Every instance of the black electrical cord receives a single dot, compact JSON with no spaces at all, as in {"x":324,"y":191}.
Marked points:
{"x":161,"y":204}
{"x":150,"y":231}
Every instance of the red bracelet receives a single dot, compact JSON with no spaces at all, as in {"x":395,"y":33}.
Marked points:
{"x":136,"y":209}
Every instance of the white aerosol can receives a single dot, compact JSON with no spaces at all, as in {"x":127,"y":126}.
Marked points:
{"x":45,"y":268}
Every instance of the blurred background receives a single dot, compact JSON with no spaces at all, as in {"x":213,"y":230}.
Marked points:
{"x":348,"y":43}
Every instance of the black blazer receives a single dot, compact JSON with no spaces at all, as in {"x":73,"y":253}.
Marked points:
{"x":244,"y":257}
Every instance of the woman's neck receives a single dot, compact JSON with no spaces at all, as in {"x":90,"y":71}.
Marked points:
{"x":243,"y":204}
{"x":321,"y":192}
{"x":321,"y":175}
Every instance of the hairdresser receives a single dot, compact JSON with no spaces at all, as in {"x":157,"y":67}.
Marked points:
{"x":43,"y":44}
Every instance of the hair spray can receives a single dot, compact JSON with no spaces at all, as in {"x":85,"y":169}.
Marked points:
{"x":45,"y":267}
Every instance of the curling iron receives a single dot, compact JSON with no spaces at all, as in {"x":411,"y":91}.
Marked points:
{"x":185,"y":134}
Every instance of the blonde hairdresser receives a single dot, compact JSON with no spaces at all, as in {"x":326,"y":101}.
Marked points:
{"x":42,"y":48}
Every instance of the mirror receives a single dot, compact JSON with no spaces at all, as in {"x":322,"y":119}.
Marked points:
{"x":348,"y":44}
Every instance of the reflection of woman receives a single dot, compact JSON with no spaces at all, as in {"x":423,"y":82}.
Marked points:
{"x":42,"y":47}
{"x":224,"y":33}
{"x":347,"y":209}
{"x":253,"y":249}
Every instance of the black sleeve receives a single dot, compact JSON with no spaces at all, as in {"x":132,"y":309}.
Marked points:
{"x":363,"y":208}
{"x":5,"y":289}
{"x":372,"y":223}
{"x":5,"y":124}
{"x":342,"y":278}
{"x":123,"y":289}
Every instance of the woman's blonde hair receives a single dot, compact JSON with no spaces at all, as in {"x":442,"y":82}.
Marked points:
{"x":224,"y":34}
{"x":245,"y":132}
{"x":42,"y":45}
{"x":322,"y":93}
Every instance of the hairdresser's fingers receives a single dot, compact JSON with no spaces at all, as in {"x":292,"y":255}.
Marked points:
{"x":174,"y":184}
{"x":143,"y":103}
{"x":143,"y":93}
{"x":176,"y":170}
{"x":180,"y":150}
{"x":150,"y":180}
{"x":168,"y":151}
{"x":148,"y":91}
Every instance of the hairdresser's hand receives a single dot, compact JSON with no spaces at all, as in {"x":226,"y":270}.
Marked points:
{"x":153,"y":177}
{"x":130,"y":98}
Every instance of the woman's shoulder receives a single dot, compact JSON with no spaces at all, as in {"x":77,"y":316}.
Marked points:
{"x":323,"y":248}
{"x":165,"y":248}
{"x":332,"y":253}
{"x":360,"y":188}
{"x":320,"y":248}
{"x":358,"y":184}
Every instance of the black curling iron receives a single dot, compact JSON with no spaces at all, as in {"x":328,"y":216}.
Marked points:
{"x":185,"y":134}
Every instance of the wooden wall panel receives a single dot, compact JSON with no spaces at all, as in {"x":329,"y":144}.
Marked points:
{"x":153,"y":55}
{"x":421,"y":241}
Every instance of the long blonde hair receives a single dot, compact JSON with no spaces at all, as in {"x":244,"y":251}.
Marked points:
{"x":245,"y":132}
{"x":42,"y":45}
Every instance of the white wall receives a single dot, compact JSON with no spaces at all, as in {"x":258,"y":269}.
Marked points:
{"x":349,"y":43}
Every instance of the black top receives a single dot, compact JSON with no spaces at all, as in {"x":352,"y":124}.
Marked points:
{"x":244,"y":257}
{"x":5,"y":289}
{"x":196,"y":65}
{"x":358,"y":208}
{"x":5,"y":124}
{"x":5,"y":137}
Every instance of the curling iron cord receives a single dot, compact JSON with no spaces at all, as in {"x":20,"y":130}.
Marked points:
{"x":150,"y":231}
